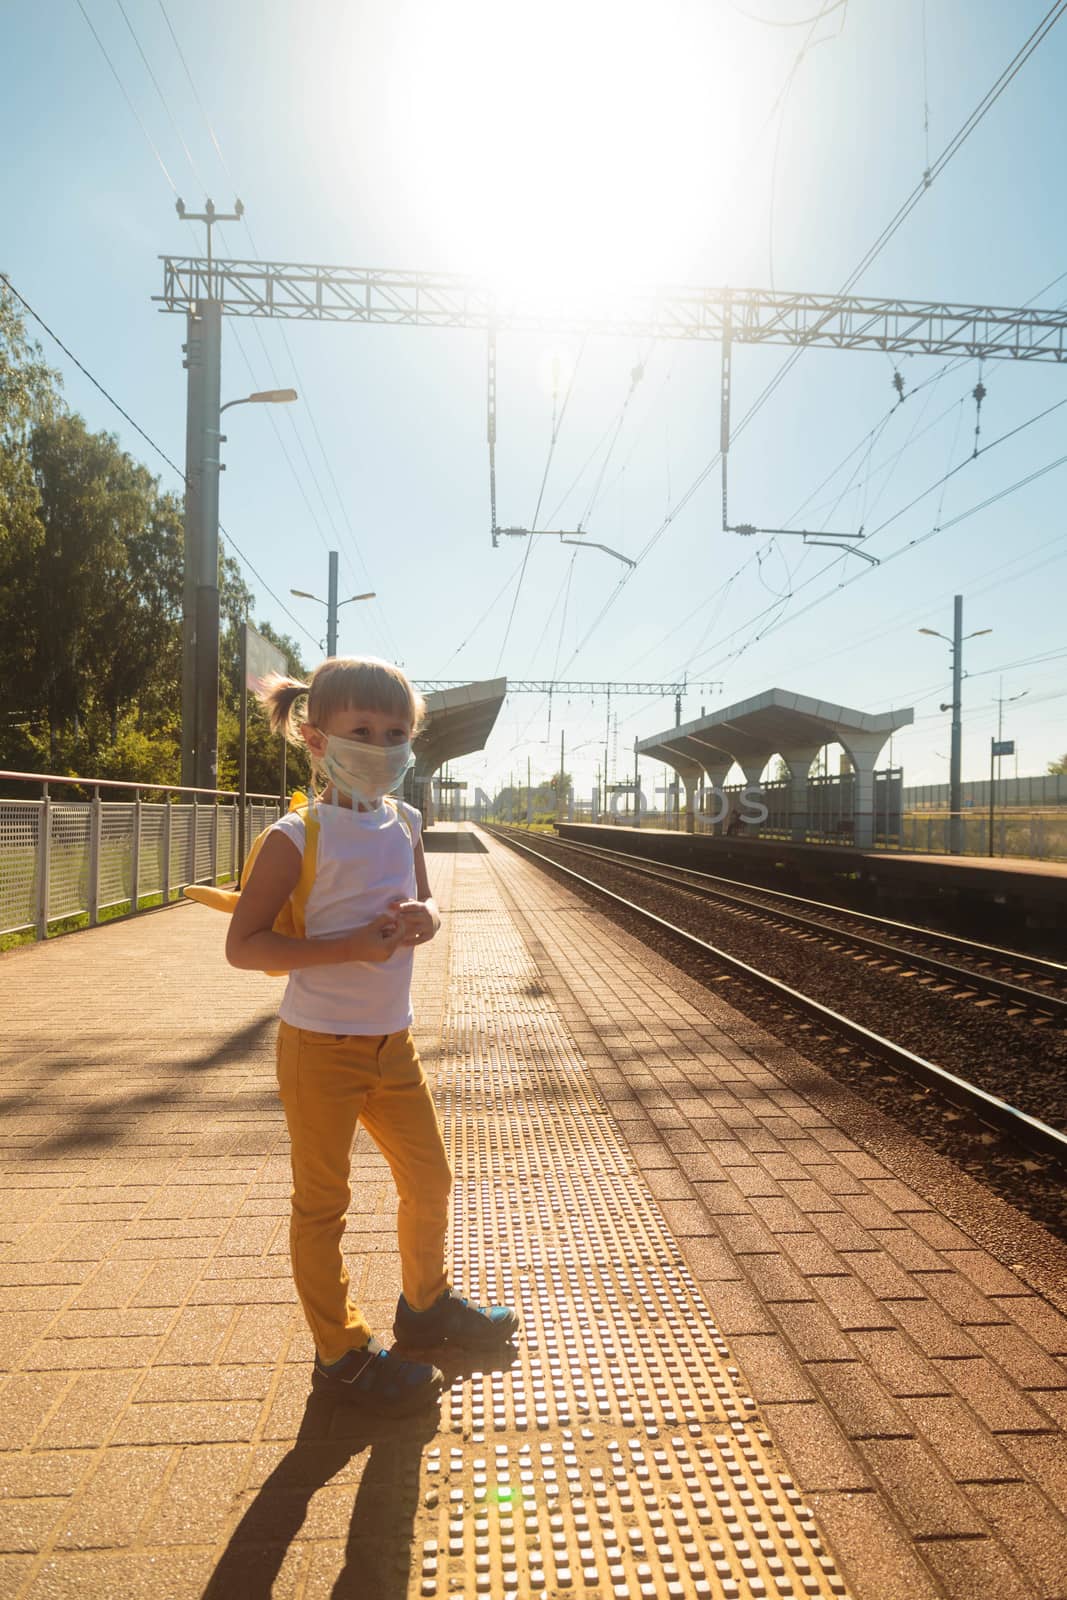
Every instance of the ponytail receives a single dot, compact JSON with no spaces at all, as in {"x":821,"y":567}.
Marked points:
{"x":278,"y":696}
{"x":336,"y":684}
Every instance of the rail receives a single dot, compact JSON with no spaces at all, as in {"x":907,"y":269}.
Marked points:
{"x":1029,"y":1132}
{"x":76,"y":860}
{"x":807,"y":916}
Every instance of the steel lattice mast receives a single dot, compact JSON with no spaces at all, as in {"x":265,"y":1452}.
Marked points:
{"x":745,"y":316}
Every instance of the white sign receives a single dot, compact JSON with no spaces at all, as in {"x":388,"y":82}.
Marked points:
{"x":261,"y":657}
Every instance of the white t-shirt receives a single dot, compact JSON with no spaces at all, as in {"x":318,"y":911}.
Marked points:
{"x":365,"y":860}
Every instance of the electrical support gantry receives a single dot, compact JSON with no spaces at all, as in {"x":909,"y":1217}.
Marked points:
{"x":207,"y":289}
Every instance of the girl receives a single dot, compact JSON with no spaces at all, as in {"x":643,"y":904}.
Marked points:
{"x":345,"y":1051}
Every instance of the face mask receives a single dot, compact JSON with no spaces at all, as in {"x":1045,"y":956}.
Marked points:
{"x":365,"y":772}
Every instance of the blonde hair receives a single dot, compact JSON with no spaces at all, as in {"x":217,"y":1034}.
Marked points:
{"x":341,"y":683}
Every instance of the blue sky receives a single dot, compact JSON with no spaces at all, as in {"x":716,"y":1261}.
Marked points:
{"x":583,"y":145}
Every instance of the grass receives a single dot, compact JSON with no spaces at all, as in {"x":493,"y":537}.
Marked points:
{"x":79,"y":920}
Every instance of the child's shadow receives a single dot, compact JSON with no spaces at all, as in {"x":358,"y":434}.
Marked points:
{"x":378,"y":1550}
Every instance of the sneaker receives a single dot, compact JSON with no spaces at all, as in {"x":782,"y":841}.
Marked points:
{"x":456,"y":1321}
{"x":379,"y":1381}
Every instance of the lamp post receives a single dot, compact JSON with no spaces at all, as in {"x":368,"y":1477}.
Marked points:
{"x":955,"y":819}
{"x":997,"y":749}
{"x":333,"y":605}
{"x":264,"y":397}
{"x":200,"y":608}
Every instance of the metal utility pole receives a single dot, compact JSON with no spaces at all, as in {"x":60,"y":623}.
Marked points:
{"x":331,"y":607}
{"x":955,"y":777}
{"x":200,"y":608}
{"x":332,"y":604}
{"x":998,"y":748}
{"x":637,"y":790}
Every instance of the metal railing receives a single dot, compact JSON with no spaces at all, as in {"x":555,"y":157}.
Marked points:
{"x":73,"y":858}
{"x":1033,"y":834}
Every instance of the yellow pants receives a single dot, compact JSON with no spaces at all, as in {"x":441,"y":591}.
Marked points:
{"x":329,"y":1082}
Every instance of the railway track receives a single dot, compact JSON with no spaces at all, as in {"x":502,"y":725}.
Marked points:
{"x":1027,"y":1132}
{"x":1029,"y":986}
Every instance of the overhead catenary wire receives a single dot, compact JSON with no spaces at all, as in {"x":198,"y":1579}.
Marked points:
{"x":162,"y":97}
{"x":147,"y":437}
{"x":955,"y":144}
{"x":926,"y":96}
{"x":789,"y":22}
{"x":911,"y":544}
{"x":887,"y":465}
{"x":782,"y":102}
{"x":196,"y":95}
{"x":959,"y":138}
{"x":557,"y":423}
{"x":773,"y":624}
{"x":636,"y":374}
{"x":489,"y":611}
{"x":307,"y":406}
{"x":122,"y":90}
{"x":674,"y":511}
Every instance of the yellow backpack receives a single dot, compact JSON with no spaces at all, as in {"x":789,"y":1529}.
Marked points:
{"x":290,"y":919}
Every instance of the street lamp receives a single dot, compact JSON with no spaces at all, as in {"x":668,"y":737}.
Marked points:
{"x":955,"y":819}
{"x":333,"y":605}
{"x":265,"y":397}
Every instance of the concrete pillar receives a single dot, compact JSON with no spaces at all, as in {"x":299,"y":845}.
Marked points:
{"x":692,"y":777}
{"x":863,"y":750}
{"x":752,"y":766}
{"x":799,"y":762}
{"x":715,"y":775}
{"x":420,"y":793}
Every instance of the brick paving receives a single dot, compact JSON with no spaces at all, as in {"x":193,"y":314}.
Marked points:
{"x":907,"y":1370}
{"x":157,"y":1362}
{"x":903,"y":1332}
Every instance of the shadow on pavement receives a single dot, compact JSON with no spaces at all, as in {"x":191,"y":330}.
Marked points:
{"x":105,"y":1122}
{"x":442,"y":844}
{"x":378,"y":1549}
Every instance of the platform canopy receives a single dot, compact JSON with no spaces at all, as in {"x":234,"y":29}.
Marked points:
{"x":458,"y":722}
{"x":780,"y":722}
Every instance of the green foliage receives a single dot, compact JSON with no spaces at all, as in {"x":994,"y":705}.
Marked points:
{"x":28,"y":397}
{"x":510,"y":802}
{"x":1059,"y":767}
{"x":91,"y":579}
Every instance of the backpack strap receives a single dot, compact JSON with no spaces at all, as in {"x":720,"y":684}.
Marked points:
{"x":309,"y":866}
{"x":390,"y":800}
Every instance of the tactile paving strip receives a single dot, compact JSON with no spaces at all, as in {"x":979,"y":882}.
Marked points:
{"x":618,"y":1457}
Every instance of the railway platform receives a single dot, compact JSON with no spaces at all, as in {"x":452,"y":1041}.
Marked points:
{"x":772,"y":1345}
{"x":1006,"y":899}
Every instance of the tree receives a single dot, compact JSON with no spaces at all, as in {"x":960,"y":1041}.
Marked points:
{"x":28,"y":397}
{"x":1058,"y":767}
{"x":91,"y":590}
{"x":107,"y":596}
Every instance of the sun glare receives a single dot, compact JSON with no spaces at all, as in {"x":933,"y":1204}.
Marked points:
{"x":574,"y":147}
